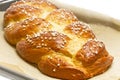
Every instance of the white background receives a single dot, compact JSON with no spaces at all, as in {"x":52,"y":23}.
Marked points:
{"x":107,"y":7}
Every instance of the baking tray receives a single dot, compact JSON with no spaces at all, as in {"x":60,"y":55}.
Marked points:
{"x":106,"y":29}
{"x":4,"y":4}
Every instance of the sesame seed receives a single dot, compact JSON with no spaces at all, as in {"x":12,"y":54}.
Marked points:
{"x":94,"y":46}
{"x":49,"y":48}
{"x":54,"y":38}
{"x":62,"y":46}
{"x":54,"y":70}
{"x":50,"y":38}
{"x":73,"y":75}
{"x":96,"y":52}
{"x":45,"y":45}
{"x":45,"y":38}
{"x":58,"y":65}
{"x":42,"y":40}
{"x":41,"y":37}
{"x":42,"y":44}
{"x":49,"y":57}
{"x":38,"y":46}
{"x":100,"y":45}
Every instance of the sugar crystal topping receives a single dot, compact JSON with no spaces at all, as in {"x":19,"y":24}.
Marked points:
{"x":80,"y":29}
{"x":46,"y":39}
{"x":93,"y":47}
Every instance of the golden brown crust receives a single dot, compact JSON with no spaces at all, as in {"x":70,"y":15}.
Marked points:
{"x":26,"y":9}
{"x":60,"y":66}
{"x":61,"y":17}
{"x":20,"y":30}
{"x":41,"y":45}
{"x":55,"y":40}
{"x":100,"y":65}
{"x":20,"y":12}
{"x":80,"y":29}
{"x":91,"y":51}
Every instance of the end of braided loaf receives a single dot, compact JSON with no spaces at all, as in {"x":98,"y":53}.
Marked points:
{"x":55,"y":40}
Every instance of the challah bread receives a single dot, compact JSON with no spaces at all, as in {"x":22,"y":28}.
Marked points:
{"x":55,"y":40}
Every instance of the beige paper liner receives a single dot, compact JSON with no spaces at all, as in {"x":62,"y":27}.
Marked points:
{"x":109,"y":34}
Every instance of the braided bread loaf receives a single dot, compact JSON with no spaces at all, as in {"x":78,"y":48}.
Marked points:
{"x":55,"y":40}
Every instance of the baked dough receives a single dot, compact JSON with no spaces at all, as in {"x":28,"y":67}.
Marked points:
{"x":55,"y":40}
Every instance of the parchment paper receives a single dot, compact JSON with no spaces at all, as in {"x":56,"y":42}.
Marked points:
{"x":109,"y":34}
